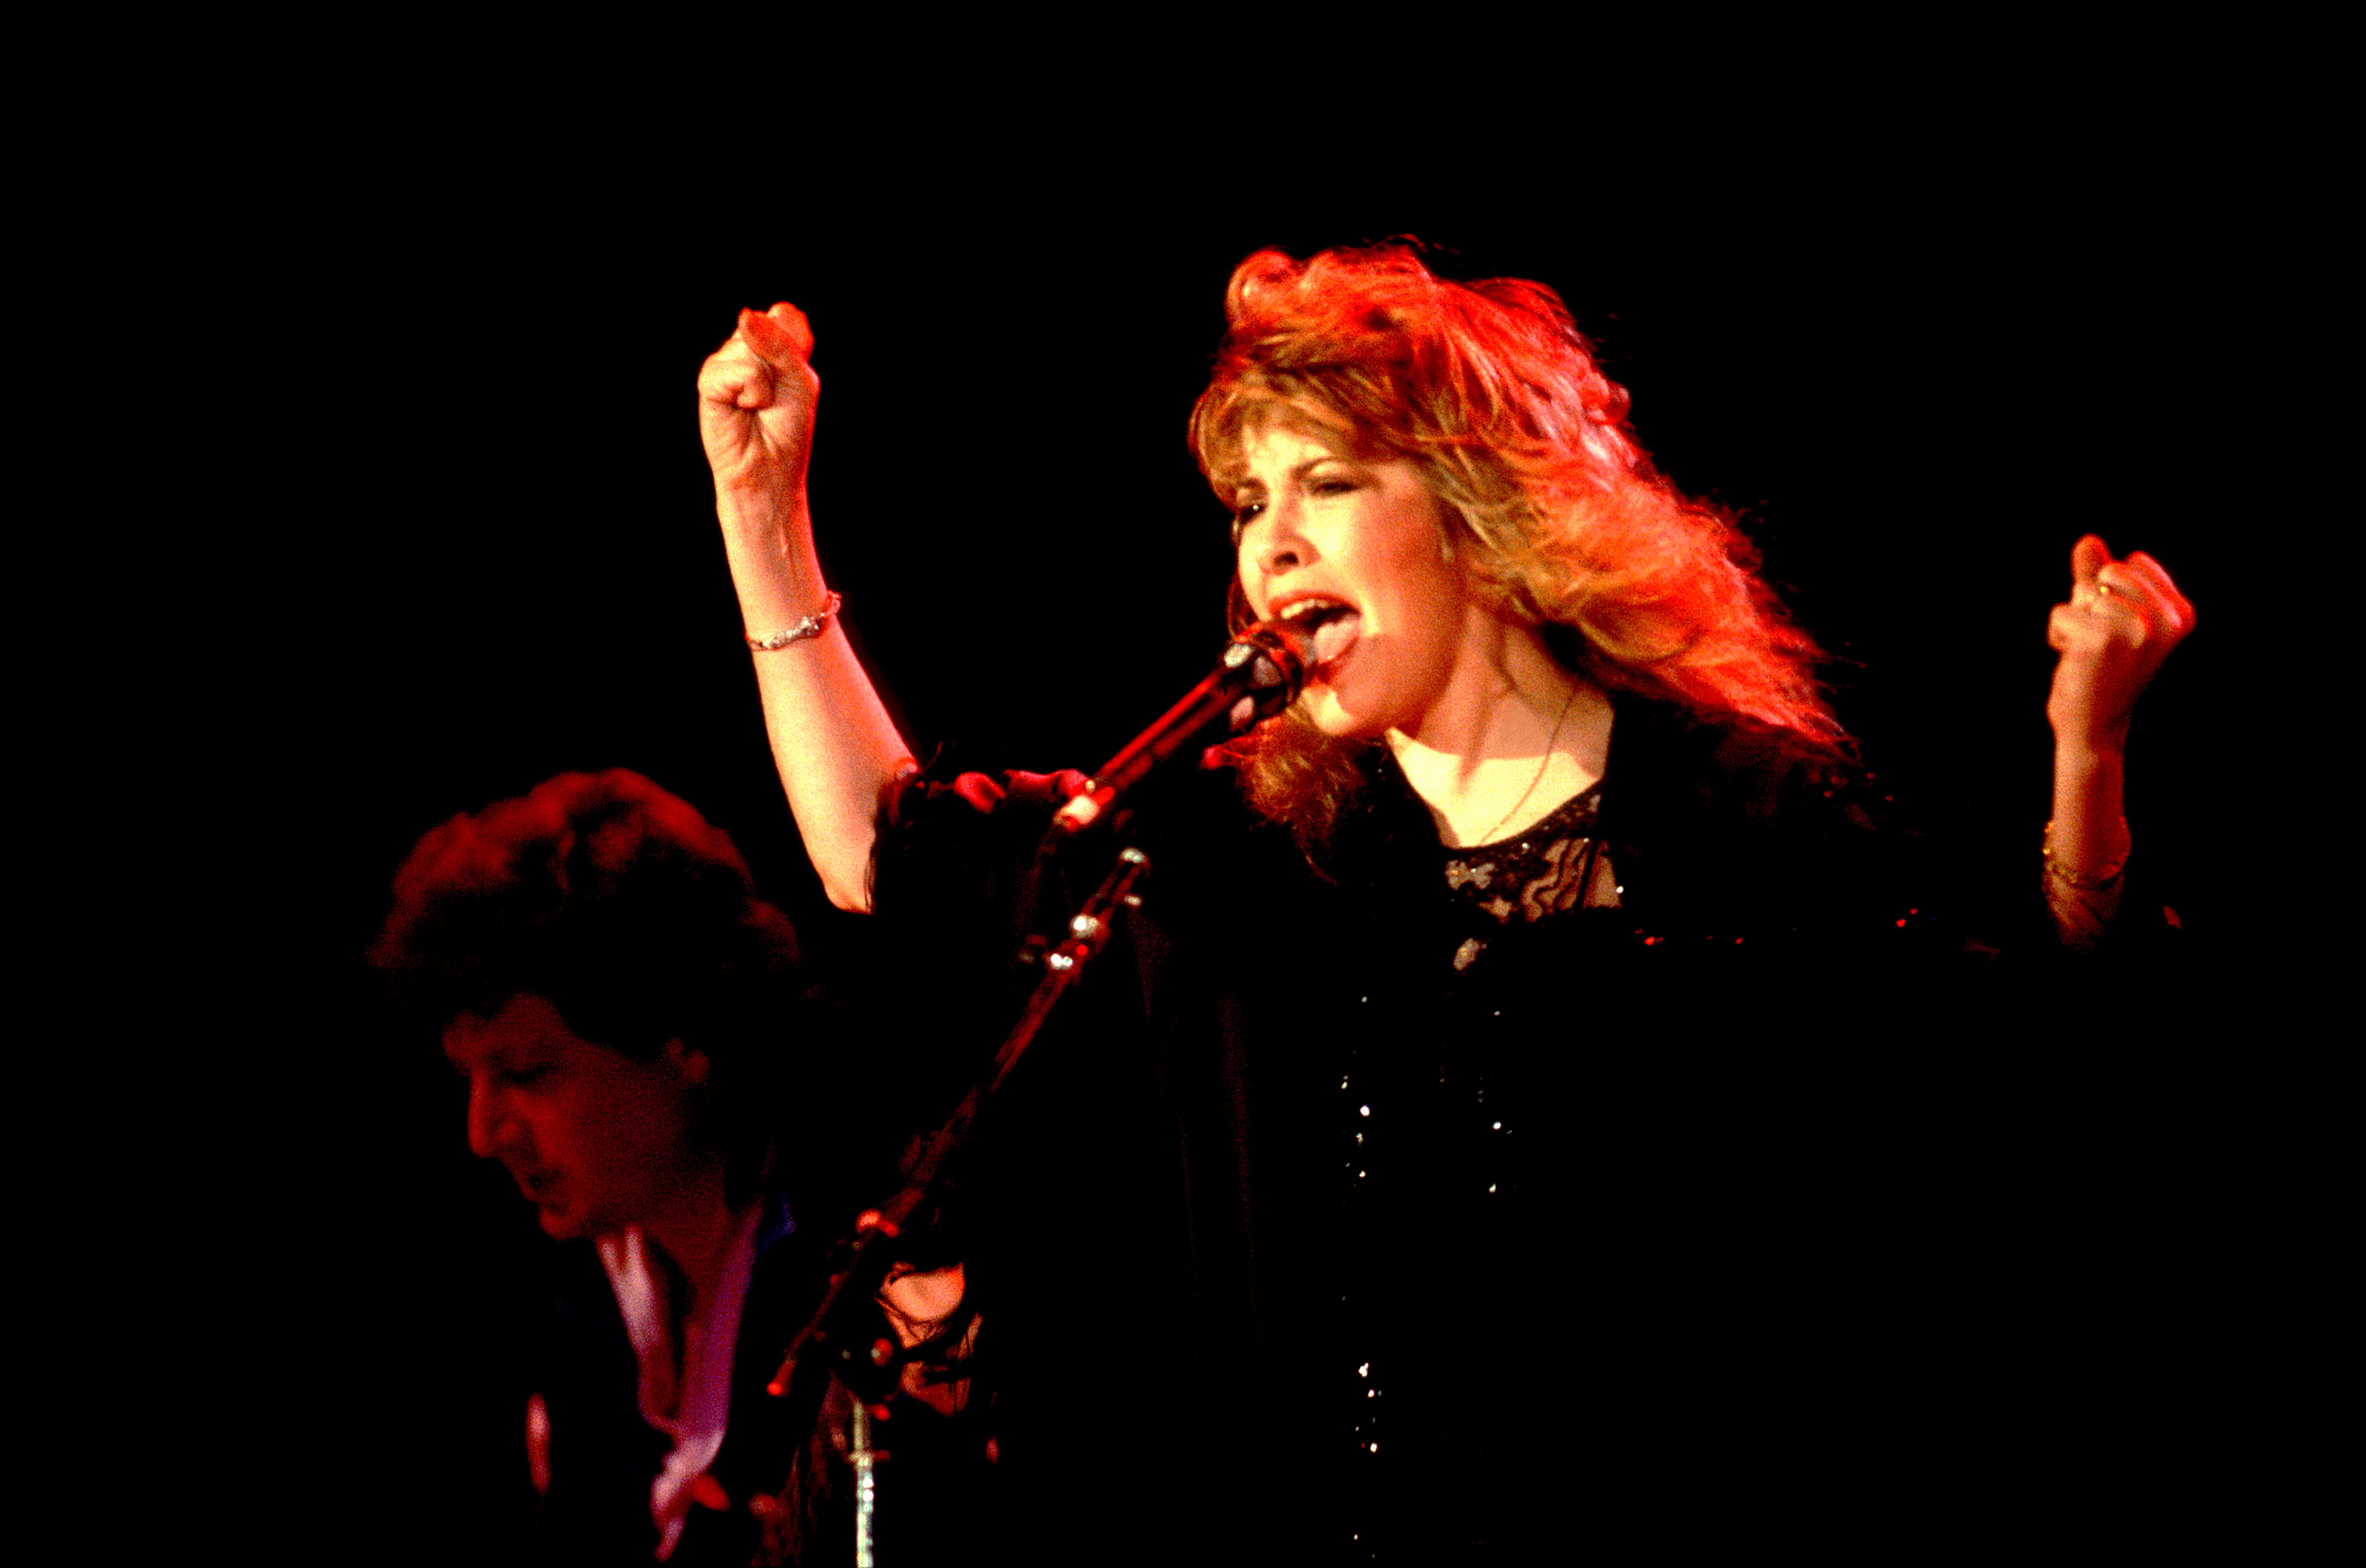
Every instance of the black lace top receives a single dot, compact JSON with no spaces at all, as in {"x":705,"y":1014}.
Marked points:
{"x":1547,"y":870}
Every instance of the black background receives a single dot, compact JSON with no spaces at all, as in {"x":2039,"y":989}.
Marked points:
{"x":1919,"y":364}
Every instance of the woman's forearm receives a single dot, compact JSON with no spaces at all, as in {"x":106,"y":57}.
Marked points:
{"x":835,"y":747}
{"x":2087,"y":843}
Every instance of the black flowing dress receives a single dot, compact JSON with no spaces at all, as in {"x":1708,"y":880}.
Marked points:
{"x":1630,"y":1183}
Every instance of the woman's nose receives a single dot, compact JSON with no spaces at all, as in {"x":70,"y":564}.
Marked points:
{"x":1274,"y":542}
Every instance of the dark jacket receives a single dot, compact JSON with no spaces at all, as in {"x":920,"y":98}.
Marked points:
{"x":1675,"y":1221}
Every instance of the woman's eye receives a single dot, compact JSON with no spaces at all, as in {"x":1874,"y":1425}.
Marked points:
{"x":1242,"y":516}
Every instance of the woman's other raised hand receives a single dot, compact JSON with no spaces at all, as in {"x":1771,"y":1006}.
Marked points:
{"x":2122,"y":618}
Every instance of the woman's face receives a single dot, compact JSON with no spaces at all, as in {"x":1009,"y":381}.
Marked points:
{"x":1355,"y":547}
{"x":595,"y":1139}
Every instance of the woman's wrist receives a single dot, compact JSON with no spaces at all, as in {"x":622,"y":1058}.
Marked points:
{"x":761,"y":511}
{"x":2086,"y":847}
{"x":774,"y":565}
{"x":2089,"y":790}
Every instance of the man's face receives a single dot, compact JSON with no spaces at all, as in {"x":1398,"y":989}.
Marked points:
{"x":595,"y":1140}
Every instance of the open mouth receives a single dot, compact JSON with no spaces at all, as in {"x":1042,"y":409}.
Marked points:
{"x":1332,"y":624}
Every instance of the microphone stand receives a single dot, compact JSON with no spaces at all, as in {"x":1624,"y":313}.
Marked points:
{"x":866,"y":1486}
{"x":842,"y":1338}
{"x":1261,"y":673}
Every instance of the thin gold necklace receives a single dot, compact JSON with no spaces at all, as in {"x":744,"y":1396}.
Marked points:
{"x":1567,"y":703}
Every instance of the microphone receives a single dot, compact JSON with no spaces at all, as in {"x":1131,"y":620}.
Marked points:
{"x":1259,"y":675}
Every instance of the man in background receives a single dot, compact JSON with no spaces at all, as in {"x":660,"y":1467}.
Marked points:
{"x":643,"y":1060}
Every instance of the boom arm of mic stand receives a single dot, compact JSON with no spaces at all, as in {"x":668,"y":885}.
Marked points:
{"x":827,"y":1341}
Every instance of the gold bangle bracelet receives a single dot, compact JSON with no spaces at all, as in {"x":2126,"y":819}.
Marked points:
{"x":2083,"y":884}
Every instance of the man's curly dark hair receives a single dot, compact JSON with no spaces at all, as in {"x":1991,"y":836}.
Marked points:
{"x":615,"y":900}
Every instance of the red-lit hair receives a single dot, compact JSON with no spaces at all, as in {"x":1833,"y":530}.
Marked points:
{"x":1492,"y":394}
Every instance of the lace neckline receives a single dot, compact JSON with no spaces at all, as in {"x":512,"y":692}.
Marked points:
{"x":1539,"y":871}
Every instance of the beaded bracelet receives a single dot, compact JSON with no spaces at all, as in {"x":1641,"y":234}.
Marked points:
{"x":813,"y":625}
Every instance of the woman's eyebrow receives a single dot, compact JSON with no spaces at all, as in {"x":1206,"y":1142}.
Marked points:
{"x":1297,"y":471}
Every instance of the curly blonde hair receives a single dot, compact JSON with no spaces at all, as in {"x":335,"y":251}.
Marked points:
{"x":1490,"y":390}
